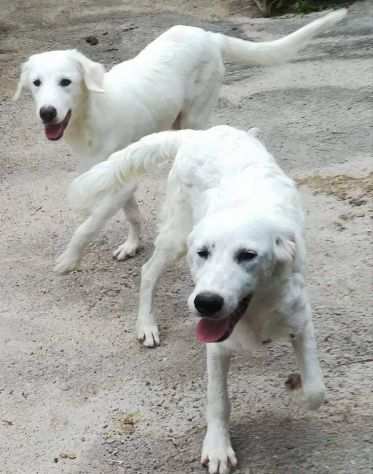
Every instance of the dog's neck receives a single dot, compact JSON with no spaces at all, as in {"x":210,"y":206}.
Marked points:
{"x":77,"y":134}
{"x":85,"y":136}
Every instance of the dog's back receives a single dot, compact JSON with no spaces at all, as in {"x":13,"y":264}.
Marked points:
{"x":225,"y":167}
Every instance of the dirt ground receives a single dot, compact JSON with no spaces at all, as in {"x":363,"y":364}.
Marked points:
{"x":78,"y":394}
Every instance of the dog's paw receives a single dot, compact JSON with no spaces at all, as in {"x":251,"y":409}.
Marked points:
{"x":66,"y":263}
{"x":314,"y":395}
{"x":217,"y":452}
{"x":126,"y":250}
{"x":148,"y":334}
{"x":310,"y":394}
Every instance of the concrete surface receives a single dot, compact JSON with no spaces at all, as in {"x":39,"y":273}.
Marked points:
{"x":78,"y":394}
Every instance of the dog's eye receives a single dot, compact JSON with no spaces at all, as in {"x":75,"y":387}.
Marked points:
{"x":65,"y":82}
{"x":203,"y":253}
{"x":37,"y":82}
{"x":245,"y":255}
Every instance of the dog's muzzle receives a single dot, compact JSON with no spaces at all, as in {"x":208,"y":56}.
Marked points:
{"x":54,"y":131}
{"x":48,"y":114}
{"x":211,"y":329}
{"x":208,"y":303}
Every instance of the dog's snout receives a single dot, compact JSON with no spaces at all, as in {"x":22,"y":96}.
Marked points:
{"x":48,"y":113}
{"x":208,"y":303}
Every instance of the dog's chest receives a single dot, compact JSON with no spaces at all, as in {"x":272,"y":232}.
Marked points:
{"x":89,"y":150}
{"x":256,"y":330}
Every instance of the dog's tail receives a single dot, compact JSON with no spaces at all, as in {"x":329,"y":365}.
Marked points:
{"x":279,"y":51}
{"x":106,"y":179}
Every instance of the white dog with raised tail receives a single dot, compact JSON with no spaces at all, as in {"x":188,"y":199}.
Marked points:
{"x":172,"y":84}
{"x":239,"y":219}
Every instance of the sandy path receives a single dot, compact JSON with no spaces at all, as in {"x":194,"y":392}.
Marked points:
{"x":77,"y":393}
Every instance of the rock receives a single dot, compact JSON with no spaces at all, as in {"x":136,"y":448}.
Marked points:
{"x":92,"y":40}
{"x":357,"y":202}
{"x":68,"y":456}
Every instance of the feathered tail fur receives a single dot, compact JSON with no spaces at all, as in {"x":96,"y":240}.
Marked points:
{"x":108,"y":177}
{"x":266,"y":53}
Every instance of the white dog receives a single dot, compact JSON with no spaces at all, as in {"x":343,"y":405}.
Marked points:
{"x":239,"y":218}
{"x":172,"y":84}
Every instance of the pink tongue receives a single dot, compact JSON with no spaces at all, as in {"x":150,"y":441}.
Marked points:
{"x":211,"y":331}
{"x":54,"y":132}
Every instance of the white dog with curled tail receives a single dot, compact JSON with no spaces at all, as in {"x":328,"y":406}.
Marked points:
{"x":239,"y":219}
{"x":172,"y":84}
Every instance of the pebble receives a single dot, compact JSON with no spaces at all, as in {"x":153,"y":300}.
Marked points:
{"x":92,"y":40}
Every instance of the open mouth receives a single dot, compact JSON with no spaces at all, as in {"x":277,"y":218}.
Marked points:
{"x":54,"y":131}
{"x":212,"y":330}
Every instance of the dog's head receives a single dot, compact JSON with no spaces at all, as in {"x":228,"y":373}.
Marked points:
{"x":57,"y":80}
{"x":232,"y":259}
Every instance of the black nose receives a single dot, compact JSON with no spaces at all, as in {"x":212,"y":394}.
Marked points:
{"x":208,"y":303}
{"x":48,"y":114}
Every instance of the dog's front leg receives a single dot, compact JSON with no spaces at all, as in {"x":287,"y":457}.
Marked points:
{"x":168,"y":248}
{"x":305,"y":348}
{"x":146,"y":324}
{"x":217,"y":450}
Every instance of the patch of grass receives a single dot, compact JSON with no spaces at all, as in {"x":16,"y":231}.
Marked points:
{"x":357,"y":191}
{"x":309,"y":6}
{"x":279,"y":7}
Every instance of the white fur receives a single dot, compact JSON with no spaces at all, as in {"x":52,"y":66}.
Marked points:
{"x":226,"y":193}
{"x":172,"y":84}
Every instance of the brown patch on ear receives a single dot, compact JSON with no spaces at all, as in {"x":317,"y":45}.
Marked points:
{"x":294,"y":382}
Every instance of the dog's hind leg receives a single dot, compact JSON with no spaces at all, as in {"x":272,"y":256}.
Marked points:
{"x":217,"y":450}
{"x":130,"y":247}
{"x":197,"y":111}
{"x":70,"y":258}
{"x":305,"y":348}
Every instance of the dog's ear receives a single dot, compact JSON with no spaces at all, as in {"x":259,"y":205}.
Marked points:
{"x":285,"y":247}
{"x":21,"y":81}
{"x":93,"y":73}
